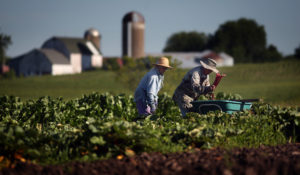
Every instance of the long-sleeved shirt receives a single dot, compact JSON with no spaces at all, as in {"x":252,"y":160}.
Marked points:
{"x":149,"y":87}
{"x":194,"y":83}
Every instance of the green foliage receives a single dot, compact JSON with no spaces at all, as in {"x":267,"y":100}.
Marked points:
{"x":271,"y":54}
{"x":186,"y":42}
{"x":112,"y":64}
{"x":244,"y":39}
{"x":222,"y":96}
{"x":103,"y":125}
{"x":5,"y":41}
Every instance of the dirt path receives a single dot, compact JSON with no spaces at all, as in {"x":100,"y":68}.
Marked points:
{"x":284,"y":159}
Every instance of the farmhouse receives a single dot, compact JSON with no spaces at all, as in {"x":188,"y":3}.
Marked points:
{"x":61,"y":55}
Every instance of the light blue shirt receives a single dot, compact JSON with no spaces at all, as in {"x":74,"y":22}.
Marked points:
{"x":149,"y":86}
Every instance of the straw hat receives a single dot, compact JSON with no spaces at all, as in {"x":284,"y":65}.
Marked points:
{"x":210,"y":64}
{"x":164,"y":62}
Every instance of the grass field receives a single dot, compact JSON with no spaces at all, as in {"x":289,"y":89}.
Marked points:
{"x":66,"y":86}
{"x":276,"y":83}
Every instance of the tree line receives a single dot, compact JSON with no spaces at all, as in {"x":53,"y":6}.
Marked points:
{"x":243,"y":39}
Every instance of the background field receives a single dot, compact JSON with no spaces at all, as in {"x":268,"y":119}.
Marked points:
{"x":276,"y":83}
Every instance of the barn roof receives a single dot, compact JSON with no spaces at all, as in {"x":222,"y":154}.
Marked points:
{"x":52,"y":55}
{"x":72,"y":45}
{"x":55,"y":57}
{"x":75,"y":45}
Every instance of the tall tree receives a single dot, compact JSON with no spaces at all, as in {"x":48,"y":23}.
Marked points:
{"x":244,"y":39}
{"x":5,"y":41}
{"x":186,"y":42}
{"x":297,"y":52}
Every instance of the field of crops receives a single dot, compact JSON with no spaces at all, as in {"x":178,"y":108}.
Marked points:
{"x":47,"y":125}
{"x":100,"y":126}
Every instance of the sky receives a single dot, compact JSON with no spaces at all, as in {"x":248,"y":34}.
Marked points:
{"x":31,"y":22}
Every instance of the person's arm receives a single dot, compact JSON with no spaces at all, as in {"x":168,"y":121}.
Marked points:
{"x":151,"y":93}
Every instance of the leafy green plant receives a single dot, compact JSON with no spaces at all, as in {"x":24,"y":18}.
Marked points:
{"x":99,"y":126}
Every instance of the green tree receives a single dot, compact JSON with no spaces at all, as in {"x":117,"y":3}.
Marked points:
{"x":297,"y":52}
{"x":5,"y":41}
{"x":186,"y":42}
{"x":270,"y":54}
{"x":243,"y":39}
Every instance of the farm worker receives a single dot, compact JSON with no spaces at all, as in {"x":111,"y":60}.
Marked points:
{"x":145,"y":94}
{"x":194,"y":83}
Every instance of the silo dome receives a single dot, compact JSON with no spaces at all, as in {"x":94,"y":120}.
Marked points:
{"x":93,"y":35}
{"x":134,"y":17}
{"x":92,"y":32}
{"x":133,"y":27}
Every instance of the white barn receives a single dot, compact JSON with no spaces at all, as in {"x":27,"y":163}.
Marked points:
{"x":40,"y":62}
{"x":61,"y":55}
{"x":82,"y":54}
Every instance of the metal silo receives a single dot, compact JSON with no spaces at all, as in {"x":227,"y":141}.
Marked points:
{"x":93,"y":35}
{"x":133,"y":26}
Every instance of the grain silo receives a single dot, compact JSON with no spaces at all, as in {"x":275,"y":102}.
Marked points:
{"x":133,"y":27}
{"x":93,"y":35}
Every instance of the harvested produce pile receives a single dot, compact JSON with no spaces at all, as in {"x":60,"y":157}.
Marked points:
{"x":284,"y":159}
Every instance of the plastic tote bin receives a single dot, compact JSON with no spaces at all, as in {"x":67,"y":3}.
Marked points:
{"x":227,"y":106}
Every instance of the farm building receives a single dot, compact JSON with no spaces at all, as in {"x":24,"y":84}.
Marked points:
{"x":191,"y":59}
{"x":82,"y":54}
{"x":40,"y":62}
{"x":61,"y":55}
{"x":133,"y":29}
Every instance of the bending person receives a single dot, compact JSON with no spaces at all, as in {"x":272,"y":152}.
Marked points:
{"x":194,"y":83}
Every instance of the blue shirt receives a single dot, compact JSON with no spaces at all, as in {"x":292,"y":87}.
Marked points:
{"x":149,"y":86}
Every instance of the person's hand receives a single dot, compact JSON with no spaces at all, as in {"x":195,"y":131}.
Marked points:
{"x":153,"y":108}
{"x":212,"y":88}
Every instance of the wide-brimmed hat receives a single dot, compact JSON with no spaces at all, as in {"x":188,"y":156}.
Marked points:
{"x":210,"y":64}
{"x":163,"y":61}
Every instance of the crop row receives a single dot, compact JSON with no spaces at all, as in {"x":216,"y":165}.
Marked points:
{"x":104,"y":125}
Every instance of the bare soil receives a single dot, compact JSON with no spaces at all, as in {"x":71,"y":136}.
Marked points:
{"x":268,"y":160}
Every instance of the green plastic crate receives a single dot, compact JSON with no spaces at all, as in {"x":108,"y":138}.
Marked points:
{"x":227,"y":106}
